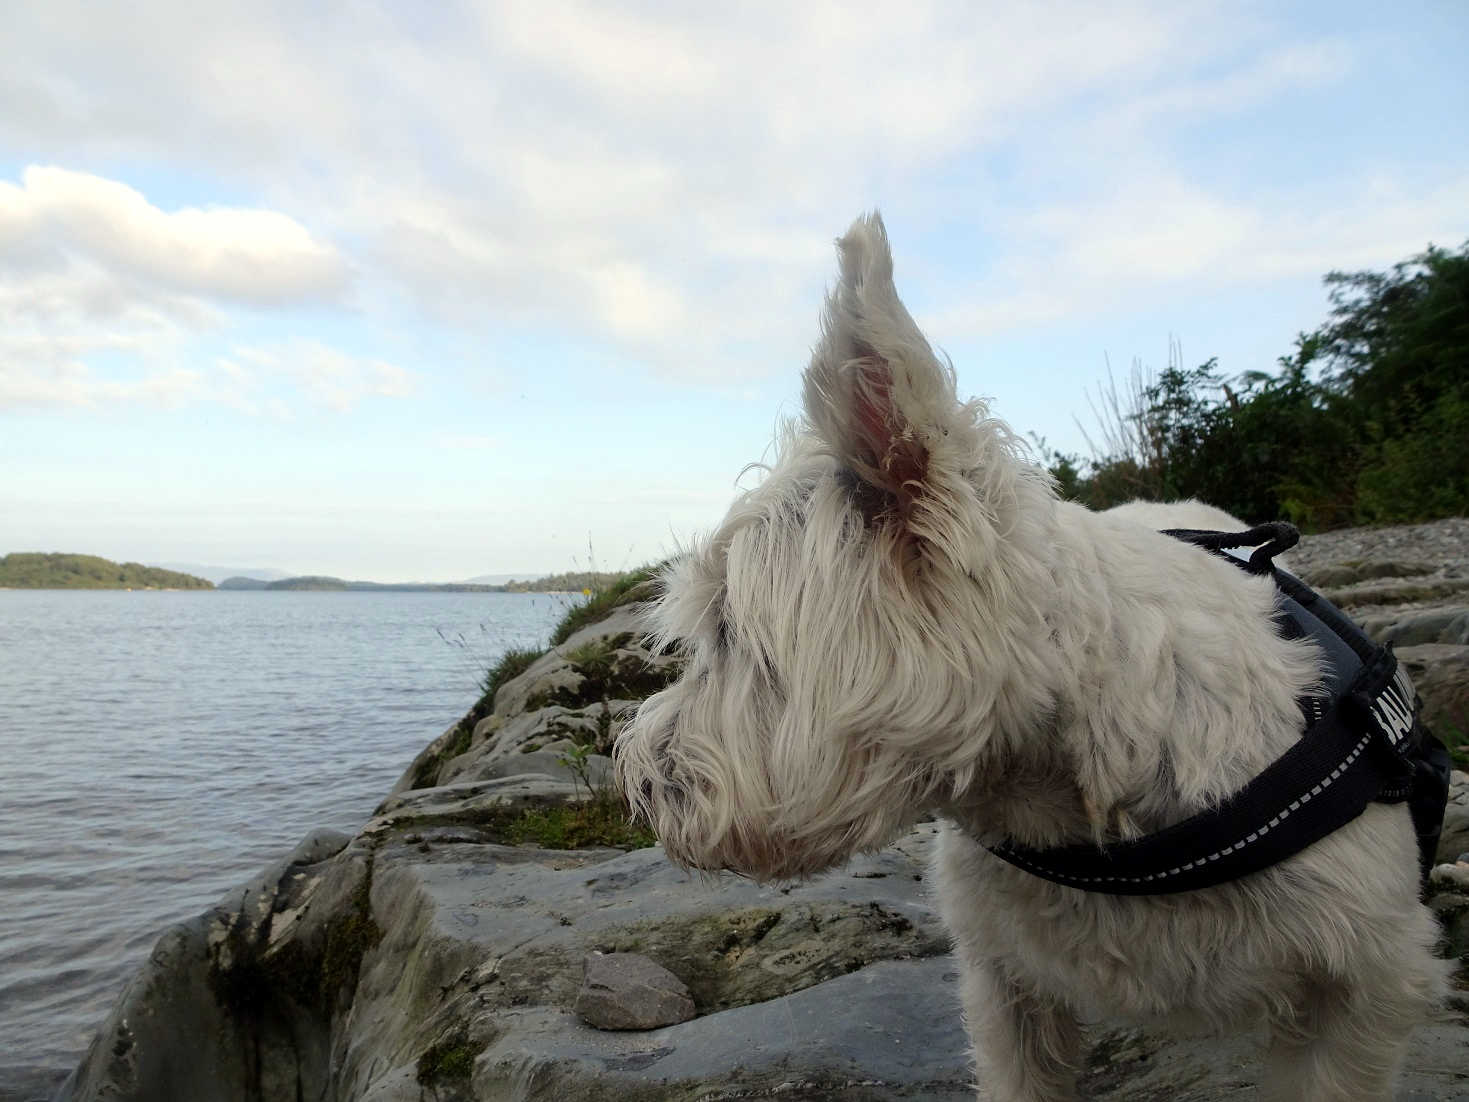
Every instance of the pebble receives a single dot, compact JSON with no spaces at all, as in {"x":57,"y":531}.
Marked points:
{"x":629,"y":991}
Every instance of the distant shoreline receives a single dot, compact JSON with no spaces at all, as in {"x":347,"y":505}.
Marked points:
{"x":56,"y":570}
{"x":355,"y":587}
{"x":59,"y":570}
{"x":301,"y":589}
{"x":105,"y":589}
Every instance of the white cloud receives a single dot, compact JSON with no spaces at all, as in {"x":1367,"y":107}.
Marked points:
{"x":1273,"y":72}
{"x":663,"y":179}
{"x":326,"y":375}
{"x":272,"y":380}
{"x":1159,"y":233}
{"x":56,"y":218}
{"x":90,"y":269}
{"x":54,"y":375}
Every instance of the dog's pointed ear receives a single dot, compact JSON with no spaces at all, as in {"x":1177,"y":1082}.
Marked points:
{"x":875,"y":392}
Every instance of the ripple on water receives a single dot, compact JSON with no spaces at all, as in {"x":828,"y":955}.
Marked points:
{"x":161,"y":748}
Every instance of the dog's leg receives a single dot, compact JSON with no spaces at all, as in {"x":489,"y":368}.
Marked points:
{"x":1345,"y":1043}
{"x":1027,"y":1045}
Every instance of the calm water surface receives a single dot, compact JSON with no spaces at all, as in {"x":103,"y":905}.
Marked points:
{"x":157,"y":749}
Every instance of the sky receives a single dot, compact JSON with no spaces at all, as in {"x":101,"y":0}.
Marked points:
{"x":427,"y":291}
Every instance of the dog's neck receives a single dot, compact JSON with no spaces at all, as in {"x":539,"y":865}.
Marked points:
{"x":1168,"y":685}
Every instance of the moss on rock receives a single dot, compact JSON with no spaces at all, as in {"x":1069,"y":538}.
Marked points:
{"x":607,"y":671}
{"x":601,"y":821}
{"x":250,"y":978}
{"x":447,"y":1061}
{"x":734,"y":958}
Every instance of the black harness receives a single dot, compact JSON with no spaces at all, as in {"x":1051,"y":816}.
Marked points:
{"x":1363,"y":743}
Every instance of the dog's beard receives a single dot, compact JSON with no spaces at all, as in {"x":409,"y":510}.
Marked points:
{"x":702,"y":770}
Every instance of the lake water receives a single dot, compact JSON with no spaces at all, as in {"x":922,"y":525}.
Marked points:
{"x":157,"y":749}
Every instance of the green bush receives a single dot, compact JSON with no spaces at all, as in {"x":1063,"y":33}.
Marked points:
{"x":1423,"y":474}
{"x":1365,"y":421}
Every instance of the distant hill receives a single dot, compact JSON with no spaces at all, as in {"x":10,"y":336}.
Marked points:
{"x":218,"y":574}
{"x":308,"y":581}
{"x":54,"y":570}
{"x":554,"y":583}
{"x":239,"y":582}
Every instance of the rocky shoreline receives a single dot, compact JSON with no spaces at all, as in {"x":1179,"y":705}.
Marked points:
{"x":442,"y":952}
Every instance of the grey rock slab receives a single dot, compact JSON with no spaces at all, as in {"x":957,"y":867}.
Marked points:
{"x":628,"y":619}
{"x":1449,"y":625}
{"x":1397,"y":591}
{"x":469,"y":797}
{"x":526,"y":733}
{"x":889,"y":1031}
{"x":186,"y":1026}
{"x":547,"y":761}
{"x":486,"y":728}
{"x":1131,"y":1066}
{"x":1453,"y":840}
{"x":1452,"y":909}
{"x":1350,"y":573}
{"x":538,"y":913}
{"x":552,"y":671}
{"x":484,"y":938}
{"x":1440,"y":673}
{"x":433,"y":751}
{"x":629,"y":991}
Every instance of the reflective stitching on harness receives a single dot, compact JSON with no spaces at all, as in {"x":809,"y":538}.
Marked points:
{"x":1362,"y":710}
{"x":1048,"y":872}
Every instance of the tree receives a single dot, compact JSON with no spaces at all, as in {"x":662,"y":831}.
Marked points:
{"x":1398,"y":341}
{"x":1398,"y":347}
{"x":1367,"y":420}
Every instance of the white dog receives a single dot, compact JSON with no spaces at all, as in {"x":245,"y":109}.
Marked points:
{"x":902,"y":620}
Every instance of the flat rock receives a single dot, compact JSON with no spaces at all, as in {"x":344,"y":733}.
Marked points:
{"x":1353,"y":572}
{"x":1448,"y":624}
{"x":1453,"y":840}
{"x":1398,"y":591}
{"x":1440,"y":673}
{"x":629,"y":991}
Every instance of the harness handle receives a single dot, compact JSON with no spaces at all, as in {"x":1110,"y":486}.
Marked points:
{"x":1268,"y":539}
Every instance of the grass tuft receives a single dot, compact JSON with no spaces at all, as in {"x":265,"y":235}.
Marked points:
{"x":602,"y":820}
{"x":511,"y":665}
{"x":619,"y":592}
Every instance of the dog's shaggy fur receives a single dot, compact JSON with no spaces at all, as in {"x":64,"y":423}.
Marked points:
{"x":903,"y":620}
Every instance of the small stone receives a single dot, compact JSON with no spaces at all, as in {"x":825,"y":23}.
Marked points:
{"x":629,"y":991}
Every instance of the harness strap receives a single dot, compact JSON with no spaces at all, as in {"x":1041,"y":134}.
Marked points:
{"x":1269,"y":539}
{"x":1364,"y":745}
